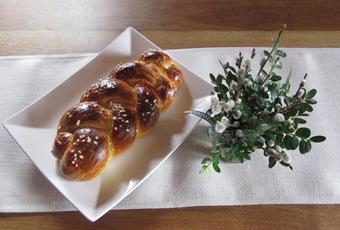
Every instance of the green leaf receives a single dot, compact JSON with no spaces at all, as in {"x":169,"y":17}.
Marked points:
{"x":212,"y":78}
{"x":271,"y":60}
{"x":224,"y":88}
{"x":281,"y":53}
{"x":205,"y":169}
{"x":206,"y":160}
{"x":231,"y":77}
{"x":286,"y":165}
{"x":317,"y":139}
{"x":241,"y":158}
{"x":250,"y":135}
{"x":286,"y":86}
{"x":294,"y":142}
{"x":303,"y":132}
{"x":300,"y":120}
{"x":305,"y":146}
{"x":266,"y":53}
{"x":246,"y":156}
{"x":291,"y":142}
{"x":291,"y":112}
{"x":229,"y":155}
{"x":216,"y":167}
{"x":219,"y":79}
{"x":311,"y":101}
{"x":263,"y":127}
{"x":272,"y":86}
{"x":287,"y":100}
{"x":311,"y":94}
{"x":287,"y":141}
{"x":271,"y":162}
{"x":300,"y":108}
{"x":232,"y":68}
{"x":304,"y":115}
{"x":304,"y":107}
{"x":224,"y":67}
{"x":279,"y":65}
{"x":276,"y":78}
{"x":308,"y":107}
{"x":259,"y":142}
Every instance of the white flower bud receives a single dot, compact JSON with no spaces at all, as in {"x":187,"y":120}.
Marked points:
{"x":277,"y":155}
{"x":240,"y":73}
{"x":216,"y":109}
{"x":278,"y":148}
{"x":233,"y":85}
{"x":279,"y":117}
{"x":238,"y":101}
{"x":286,"y":157}
{"x":229,"y":105}
{"x":228,"y":95}
{"x":278,"y":106}
{"x":232,"y":103}
{"x":272,"y":152}
{"x":247,"y":65}
{"x":247,"y":82}
{"x":222,"y":103}
{"x":225,"y":121}
{"x":291,"y":128}
{"x":239,"y":133}
{"x":237,"y":114}
{"x":270,"y":143}
{"x":214,"y":100}
{"x":290,"y":122}
{"x":282,"y":100}
{"x":226,"y":107}
{"x":219,"y":127}
{"x":300,"y":93}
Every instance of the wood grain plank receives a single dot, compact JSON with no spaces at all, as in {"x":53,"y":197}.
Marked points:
{"x":53,"y":42}
{"x":169,"y":14}
{"x":231,"y":217}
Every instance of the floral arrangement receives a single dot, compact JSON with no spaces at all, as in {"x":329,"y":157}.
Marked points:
{"x":255,"y":111}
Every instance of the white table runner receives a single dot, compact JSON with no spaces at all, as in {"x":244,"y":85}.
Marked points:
{"x":315,"y":179}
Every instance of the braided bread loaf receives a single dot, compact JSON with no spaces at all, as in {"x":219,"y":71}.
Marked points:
{"x":113,"y":112}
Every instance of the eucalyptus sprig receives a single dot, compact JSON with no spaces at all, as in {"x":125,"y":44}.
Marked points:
{"x":250,"y":112}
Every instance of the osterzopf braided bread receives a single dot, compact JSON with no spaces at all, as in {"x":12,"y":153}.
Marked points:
{"x":113,"y":112}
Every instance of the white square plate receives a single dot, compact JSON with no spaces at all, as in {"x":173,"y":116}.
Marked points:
{"x":34,"y":129}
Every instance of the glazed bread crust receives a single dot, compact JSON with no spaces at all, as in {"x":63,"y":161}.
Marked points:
{"x":113,"y":112}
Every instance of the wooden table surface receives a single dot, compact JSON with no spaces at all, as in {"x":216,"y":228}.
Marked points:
{"x":60,"y":26}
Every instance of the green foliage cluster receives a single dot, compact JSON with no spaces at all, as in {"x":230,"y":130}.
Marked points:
{"x":256,"y":111}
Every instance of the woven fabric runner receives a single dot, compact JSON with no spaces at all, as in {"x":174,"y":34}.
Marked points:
{"x":316,"y":175}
